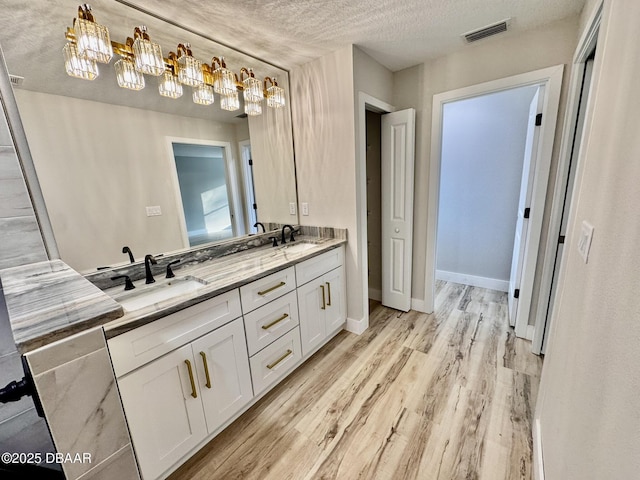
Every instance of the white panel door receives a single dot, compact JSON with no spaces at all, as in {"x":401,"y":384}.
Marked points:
{"x":398,"y":144}
{"x":164,"y":413}
{"x":224,"y":379}
{"x":526,"y":188}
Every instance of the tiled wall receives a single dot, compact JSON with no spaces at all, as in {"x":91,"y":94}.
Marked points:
{"x":20,"y":243}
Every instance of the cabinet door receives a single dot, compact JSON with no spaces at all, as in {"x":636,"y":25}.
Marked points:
{"x":223,"y":373}
{"x":335,"y":312}
{"x":312,"y":308}
{"x":165,"y":418}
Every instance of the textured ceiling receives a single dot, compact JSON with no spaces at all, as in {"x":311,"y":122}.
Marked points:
{"x":397,"y":33}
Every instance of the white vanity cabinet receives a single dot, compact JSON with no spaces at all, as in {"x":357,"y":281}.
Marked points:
{"x":173,"y":403}
{"x":321,"y":300}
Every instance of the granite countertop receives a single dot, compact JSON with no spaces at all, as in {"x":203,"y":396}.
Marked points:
{"x":218,"y":276}
{"x":48,"y":301}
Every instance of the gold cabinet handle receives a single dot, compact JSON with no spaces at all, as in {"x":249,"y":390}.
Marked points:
{"x":194,"y":394}
{"x":271,"y":366}
{"x":277,"y":320}
{"x":206,"y":369}
{"x":324,"y":302}
{"x":271,"y":289}
{"x":329,"y":291}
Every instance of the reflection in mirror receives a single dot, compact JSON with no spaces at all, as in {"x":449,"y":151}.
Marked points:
{"x":105,"y":157}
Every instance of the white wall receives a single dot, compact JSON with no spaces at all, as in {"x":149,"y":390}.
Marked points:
{"x":493,"y":58}
{"x":483,"y":142}
{"x":589,"y":402}
{"x":97,"y":180}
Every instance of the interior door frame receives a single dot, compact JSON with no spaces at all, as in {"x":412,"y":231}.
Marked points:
{"x":231,"y":177}
{"x":365,"y":102}
{"x":586,"y":45}
{"x":551,"y":77}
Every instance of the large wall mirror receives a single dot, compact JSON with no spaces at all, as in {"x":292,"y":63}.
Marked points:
{"x":120,"y":167}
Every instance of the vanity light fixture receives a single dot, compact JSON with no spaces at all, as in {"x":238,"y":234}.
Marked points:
{"x":147,"y":54}
{"x":230,"y":102}
{"x":274,"y":94}
{"x":169,"y":86}
{"x":92,"y":39}
{"x":127,"y":75}
{"x":252,"y":108}
{"x":251,"y":86}
{"x":203,"y":94}
{"x":224,"y":82}
{"x":189,"y":68}
{"x":77,"y":66}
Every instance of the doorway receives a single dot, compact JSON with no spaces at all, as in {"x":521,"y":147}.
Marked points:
{"x":374,"y":206}
{"x":551,"y":79}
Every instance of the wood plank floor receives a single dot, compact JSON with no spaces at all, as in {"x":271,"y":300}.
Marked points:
{"x":442,"y":396}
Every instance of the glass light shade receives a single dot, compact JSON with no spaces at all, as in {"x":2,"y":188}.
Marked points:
{"x":190,"y":71}
{"x":93,"y":40}
{"x":203,"y":95}
{"x":252,"y":89}
{"x":252,"y":108}
{"x":275,"y":97}
{"x":230,"y":102}
{"x":148,"y":57}
{"x":168,"y":85}
{"x":76,"y":66}
{"x":224,"y":81}
{"x":127,"y":75}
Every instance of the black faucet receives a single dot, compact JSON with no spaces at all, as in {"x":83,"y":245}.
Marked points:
{"x":170,"y":273}
{"x":148,"y":261}
{"x":275,"y":241}
{"x":255,"y":225}
{"x":291,"y":239}
{"x":126,"y":249}
{"x":128,"y":284}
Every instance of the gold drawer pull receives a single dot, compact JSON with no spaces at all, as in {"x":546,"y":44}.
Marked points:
{"x":329,"y":290}
{"x":194,"y":394}
{"x":206,"y":369}
{"x":271,"y":289}
{"x":324,"y":302}
{"x":277,"y":320}
{"x":271,"y":366}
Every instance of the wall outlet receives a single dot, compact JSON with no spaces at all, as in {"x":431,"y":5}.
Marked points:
{"x":292,"y":208}
{"x":584,"y":242}
{"x":154,"y":211}
{"x":305,"y":208}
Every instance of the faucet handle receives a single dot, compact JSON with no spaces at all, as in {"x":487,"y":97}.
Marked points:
{"x":170,"y":273}
{"x":291,"y":239}
{"x":275,"y":241}
{"x":128,"y":284}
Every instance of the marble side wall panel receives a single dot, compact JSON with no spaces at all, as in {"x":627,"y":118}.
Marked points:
{"x":121,"y":466}
{"x":7,"y":343}
{"x":21,"y":242}
{"x":14,"y":199}
{"x":80,"y":400}
{"x":5,"y":135}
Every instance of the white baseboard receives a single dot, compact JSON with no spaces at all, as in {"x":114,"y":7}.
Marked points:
{"x":473,"y":280}
{"x":356,"y":326}
{"x":375,"y":294}
{"x":538,"y":463}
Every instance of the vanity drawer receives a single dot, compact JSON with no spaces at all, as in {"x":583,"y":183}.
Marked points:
{"x":275,"y":361}
{"x":262,"y":291}
{"x":270,"y":322}
{"x":148,"y":342}
{"x":316,"y":266}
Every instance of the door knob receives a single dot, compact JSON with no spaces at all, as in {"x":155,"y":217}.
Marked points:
{"x":397,"y":230}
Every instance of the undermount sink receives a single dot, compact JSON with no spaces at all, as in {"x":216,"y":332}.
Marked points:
{"x":155,"y":293}
{"x":298,"y":247}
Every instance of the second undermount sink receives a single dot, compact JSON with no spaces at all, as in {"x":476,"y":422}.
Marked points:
{"x":155,"y":293}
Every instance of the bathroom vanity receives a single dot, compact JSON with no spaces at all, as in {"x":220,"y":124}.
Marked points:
{"x":146,"y":386}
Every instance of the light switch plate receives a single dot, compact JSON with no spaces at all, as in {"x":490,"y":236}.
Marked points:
{"x":154,"y":211}
{"x":305,"y":208}
{"x":584,"y":242}
{"x":292,"y":208}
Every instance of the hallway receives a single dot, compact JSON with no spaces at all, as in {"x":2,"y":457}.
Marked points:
{"x":444,"y":396}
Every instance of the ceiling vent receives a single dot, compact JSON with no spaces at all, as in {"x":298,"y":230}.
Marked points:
{"x":16,"y":81}
{"x":487,"y":31}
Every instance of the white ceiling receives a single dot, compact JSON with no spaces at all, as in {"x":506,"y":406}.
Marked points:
{"x":397,"y":33}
